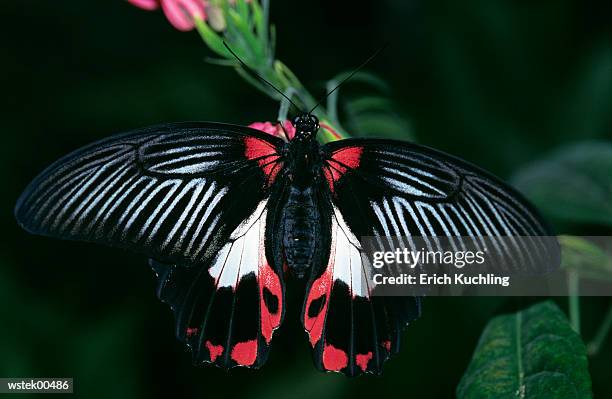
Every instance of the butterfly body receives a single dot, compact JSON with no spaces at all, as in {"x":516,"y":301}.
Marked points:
{"x":303,"y":229}
{"x":220,"y":209}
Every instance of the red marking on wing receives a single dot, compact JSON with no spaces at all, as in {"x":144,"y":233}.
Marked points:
{"x":334,"y":359}
{"x":245,"y":353}
{"x":191,"y":331}
{"x":265,"y":154}
{"x":341,"y":162}
{"x":363,"y":360}
{"x":214,"y":350}
{"x":387,"y":345}
{"x":269,"y":320}
{"x":268,"y":278}
{"x":321,"y":286}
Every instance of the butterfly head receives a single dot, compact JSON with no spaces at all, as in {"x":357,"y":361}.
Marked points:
{"x":306,"y":126}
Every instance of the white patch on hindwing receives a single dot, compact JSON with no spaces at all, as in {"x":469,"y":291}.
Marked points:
{"x":240,"y":255}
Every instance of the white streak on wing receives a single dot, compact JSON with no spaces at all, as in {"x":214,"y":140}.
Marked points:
{"x":57,"y":182}
{"x":108,"y":202}
{"x":252,"y":242}
{"x":201,"y":150}
{"x":231,"y":270}
{"x":501,"y":221}
{"x":415,"y":170}
{"x":55,"y":203}
{"x":171,"y":206}
{"x":358,"y":286}
{"x":220,"y":260}
{"x":342,"y":266}
{"x":167,"y":164}
{"x":208,"y":232}
{"x":195,"y":216}
{"x":417,"y":222}
{"x":194,"y":168}
{"x":132,"y":204}
{"x":404,"y":187}
{"x":246,"y":225}
{"x":94,"y":197}
{"x":347,"y":231}
{"x":162,"y":204}
{"x":143,"y":204}
{"x":381,"y":217}
{"x":480,"y":217}
{"x":451,"y":223}
{"x":417,"y":180}
{"x":432,"y":233}
{"x":398,"y":234}
{"x":240,"y":256}
{"x":194,"y":196}
{"x":203,"y":220}
{"x":348,"y":261}
{"x":77,"y":196}
{"x":402,"y":220}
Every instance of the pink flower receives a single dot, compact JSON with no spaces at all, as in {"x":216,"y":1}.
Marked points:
{"x":180,"y":13}
{"x":276,"y":129}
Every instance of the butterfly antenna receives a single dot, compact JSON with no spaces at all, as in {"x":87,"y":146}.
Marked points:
{"x":370,"y":58}
{"x":248,"y":68}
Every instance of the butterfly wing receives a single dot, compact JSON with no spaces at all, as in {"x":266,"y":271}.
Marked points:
{"x":386,"y":188}
{"x":192,"y":196}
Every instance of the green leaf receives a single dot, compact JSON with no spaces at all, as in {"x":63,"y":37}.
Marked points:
{"x":258,"y":18}
{"x":212,"y":39}
{"x":572,"y":185}
{"x":243,"y":9}
{"x":530,"y":354}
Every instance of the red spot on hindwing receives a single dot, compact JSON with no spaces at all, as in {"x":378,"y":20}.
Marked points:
{"x":341,"y":162}
{"x":334,"y":359}
{"x":214,"y":350}
{"x":265,"y":154}
{"x":363,"y":360}
{"x":270,"y":282}
{"x":320,"y":287}
{"x":387,"y":345}
{"x":245,"y":353}
{"x":270,"y":318}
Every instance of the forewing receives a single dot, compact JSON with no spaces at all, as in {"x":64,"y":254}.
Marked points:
{"x":396,"y":189}
{"x":173,"y":192}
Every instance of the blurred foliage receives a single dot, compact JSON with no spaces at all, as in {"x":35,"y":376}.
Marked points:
{"x":367,"y":107}
{"x":498,"y":83}
{"x":586,"y":258}
{"x":572,"y":185}
{"x":533,"y":353}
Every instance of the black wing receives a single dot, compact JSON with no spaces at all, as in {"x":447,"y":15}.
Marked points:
{"x":388,"y":188}
{"x":176,"y":193}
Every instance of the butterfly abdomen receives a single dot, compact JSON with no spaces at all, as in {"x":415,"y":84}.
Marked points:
{"x":301,"y":228}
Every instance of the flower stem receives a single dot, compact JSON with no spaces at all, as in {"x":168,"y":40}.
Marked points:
{"x":249,"y":35}
{"x":574,"y":300}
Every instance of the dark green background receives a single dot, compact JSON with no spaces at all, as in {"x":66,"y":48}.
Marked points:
{"x":499,"y":83}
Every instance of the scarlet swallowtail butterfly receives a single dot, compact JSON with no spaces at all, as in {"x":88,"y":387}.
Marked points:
{"x":220,"y":209}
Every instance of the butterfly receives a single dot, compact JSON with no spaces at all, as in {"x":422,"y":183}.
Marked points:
{"x":227,"y":213}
